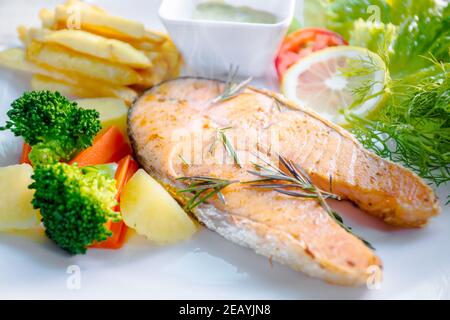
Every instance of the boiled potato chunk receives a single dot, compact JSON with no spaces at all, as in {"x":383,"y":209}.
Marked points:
{"x":149,"y":209}
{"x":16,"y":210}
{"x":113,"y":112}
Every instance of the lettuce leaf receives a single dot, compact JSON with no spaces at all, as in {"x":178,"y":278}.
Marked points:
{"x":413,"y":123}
{"x":341,"y":14}
{"x":426,"y":34}
{"x":406,"y":36}
{"x":402,"y":10}
{"x":375,"y":36}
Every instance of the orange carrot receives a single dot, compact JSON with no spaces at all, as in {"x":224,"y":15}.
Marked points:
{"x":26,"y":149}
{"x":116,"y":241}
{"x":108,"y":147}
{"x":127,"y":167}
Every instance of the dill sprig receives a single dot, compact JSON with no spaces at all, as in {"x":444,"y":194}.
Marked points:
{"x":203,"y":188}
{"x":363,"y":68}
{"x":231,"y":88}
{"x":225,"y":141}
{"x":296,"y":177}
{"x":413,"y":126}
{"x":412,"y":122}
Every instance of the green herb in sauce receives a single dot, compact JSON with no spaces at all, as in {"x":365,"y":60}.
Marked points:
{"x":214,"y":11}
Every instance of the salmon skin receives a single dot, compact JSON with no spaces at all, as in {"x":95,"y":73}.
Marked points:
{"x":178,"y":115}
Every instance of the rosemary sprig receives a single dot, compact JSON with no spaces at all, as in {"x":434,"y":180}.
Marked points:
{"x":277,"y":104}
{"x":183,"y":160}
{"x":270,"y":177}
{"x":204,"y":188}
{"x":296,"y":177}
{"x":232,"y":88}
{"x":222,"y":137}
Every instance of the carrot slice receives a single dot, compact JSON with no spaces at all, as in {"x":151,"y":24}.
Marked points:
{"x":108,"y":147}
{"x":26,"y":149}
{"x":126,"y":169}
{"x":117,"y":239}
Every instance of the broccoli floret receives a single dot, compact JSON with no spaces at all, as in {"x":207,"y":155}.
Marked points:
{"x":75,"y":203}
{"x":55,"y":127}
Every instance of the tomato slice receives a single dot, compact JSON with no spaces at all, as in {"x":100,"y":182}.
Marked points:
{"x":302,"y":43}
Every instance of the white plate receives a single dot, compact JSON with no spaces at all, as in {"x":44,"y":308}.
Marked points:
{"x":417,"y":262}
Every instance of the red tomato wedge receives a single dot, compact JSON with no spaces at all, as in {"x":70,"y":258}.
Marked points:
{"x":127,"y":167}
{"x":303,"y":42}
{"x":110,"y":146}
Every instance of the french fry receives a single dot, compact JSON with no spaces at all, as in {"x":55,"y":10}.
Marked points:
{"x":172,"y":57}
{"x":23,"y":33}
{"x":47,"y":19}
{"x":155,"y":37}
{"x":155,"y":75}
{"x":39,"y":82}
{"x":145,"y":46}
{"x":176,"y":71}
{"x":128,"y":95}
{"x":154,"y":56}
{"x":14,"y":58}
{"x":89,"y":19}
{"x":27,"y":35}
{"x":83,"y":51}
{"x":101,"y":89}
{"x":149,"y":79}
{"x":69,"y":61}
{"x":98,"y":46}
{"x":82,"y":88}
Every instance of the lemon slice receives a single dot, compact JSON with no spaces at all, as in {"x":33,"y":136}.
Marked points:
{"x":327,"y":81}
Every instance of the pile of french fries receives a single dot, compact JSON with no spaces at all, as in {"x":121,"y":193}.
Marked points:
{"x":82,"y":51}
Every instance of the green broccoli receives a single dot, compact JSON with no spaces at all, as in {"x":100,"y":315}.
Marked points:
{"x":75,"y":203}
{"x":55,"y":127}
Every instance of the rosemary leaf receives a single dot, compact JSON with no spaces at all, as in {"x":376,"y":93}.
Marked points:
{"x":203,"y":188}
{"x":183,"y":160}
{"x":276,"y":103}
{"x":270,"y":177}
{"x":229,"y":147}
{"x":296,"y":177}
{"x":231,"y":88}
{"x":222,"y":137}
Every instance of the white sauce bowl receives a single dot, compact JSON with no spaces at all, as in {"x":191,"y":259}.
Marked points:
{"x":210,"y":47}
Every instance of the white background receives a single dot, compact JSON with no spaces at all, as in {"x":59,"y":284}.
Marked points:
{"x":416,"y":262}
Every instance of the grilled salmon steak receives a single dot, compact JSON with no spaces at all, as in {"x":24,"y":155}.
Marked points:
{"x":174,"y":131}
